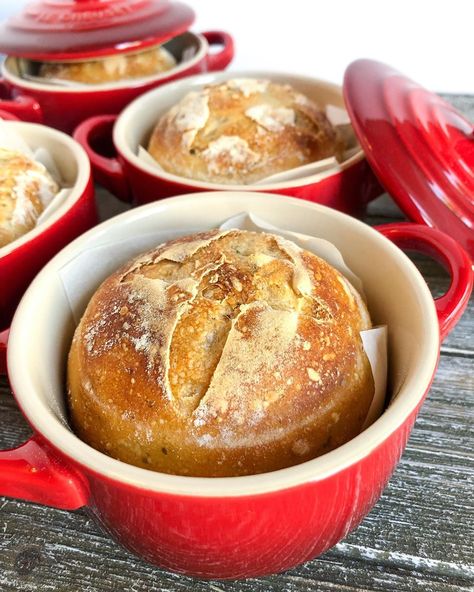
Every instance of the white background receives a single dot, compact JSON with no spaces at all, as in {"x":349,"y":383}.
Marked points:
{"x":432,"y":42}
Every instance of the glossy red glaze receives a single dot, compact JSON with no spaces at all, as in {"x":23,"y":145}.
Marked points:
{"x":241,"y":536}
{"x":65,"y":109}
{"x":347,"y":191}
{"x":219,"y":60}
{"x":21,"y":107}
{"x":35,"y":473}
{"x":215,"y":537}
{"x":419,"y":146}
{"x":8,"y":116}
{"x":257,"y":535}
{"x":76,"y":29}
{"x":95,"y":136}
{"x":20,"y":265}
{"x":443,"y":249}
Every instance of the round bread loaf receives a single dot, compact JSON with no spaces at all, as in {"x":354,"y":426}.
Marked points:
{"x":240,"y":131}
{"x":111,"y":68}
{"x":221,"y":354}
{"x":26,"y":188}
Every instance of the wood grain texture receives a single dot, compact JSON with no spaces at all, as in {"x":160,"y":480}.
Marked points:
{"x":418,"y":538}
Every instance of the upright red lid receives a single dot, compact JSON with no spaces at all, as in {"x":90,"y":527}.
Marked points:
{"x":76,"y":29}
{"x":420,"y":147}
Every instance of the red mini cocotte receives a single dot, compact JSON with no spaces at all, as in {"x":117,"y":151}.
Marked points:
{"x":347,"y":187}
{"x":268,"y":522}
{"x":21,"y":259}
{"x":74,"y":30}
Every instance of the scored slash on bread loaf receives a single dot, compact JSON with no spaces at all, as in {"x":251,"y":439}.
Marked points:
{"x":224,"y":353}
{"x":26,"y":188}
{"x":241,"y":131}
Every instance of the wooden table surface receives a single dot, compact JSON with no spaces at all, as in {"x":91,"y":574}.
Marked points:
{"x":419,"y":536}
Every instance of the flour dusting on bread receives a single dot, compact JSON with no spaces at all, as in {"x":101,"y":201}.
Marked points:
{"x":190,"y":115}
{"x":227,"y":152}
{"x":243,"y":360}
{"x":248,"y":86}
{"x":273,"y":119}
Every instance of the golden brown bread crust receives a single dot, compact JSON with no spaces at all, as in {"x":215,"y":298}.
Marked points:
{"x":26,"y":188}
{"x":240,"y":131}
{"x":220,"y":354}
{"x":111,"y":68}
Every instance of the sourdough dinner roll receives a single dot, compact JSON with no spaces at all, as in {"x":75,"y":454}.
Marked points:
{"x":26,"y":188}
{"x":111,"y":68}
{"x":242,"y":130}
{"x":220,"y":354}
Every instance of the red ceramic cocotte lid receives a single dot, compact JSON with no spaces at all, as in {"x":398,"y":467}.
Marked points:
{"x":76,"y":29}
{"x":420,"y":147}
